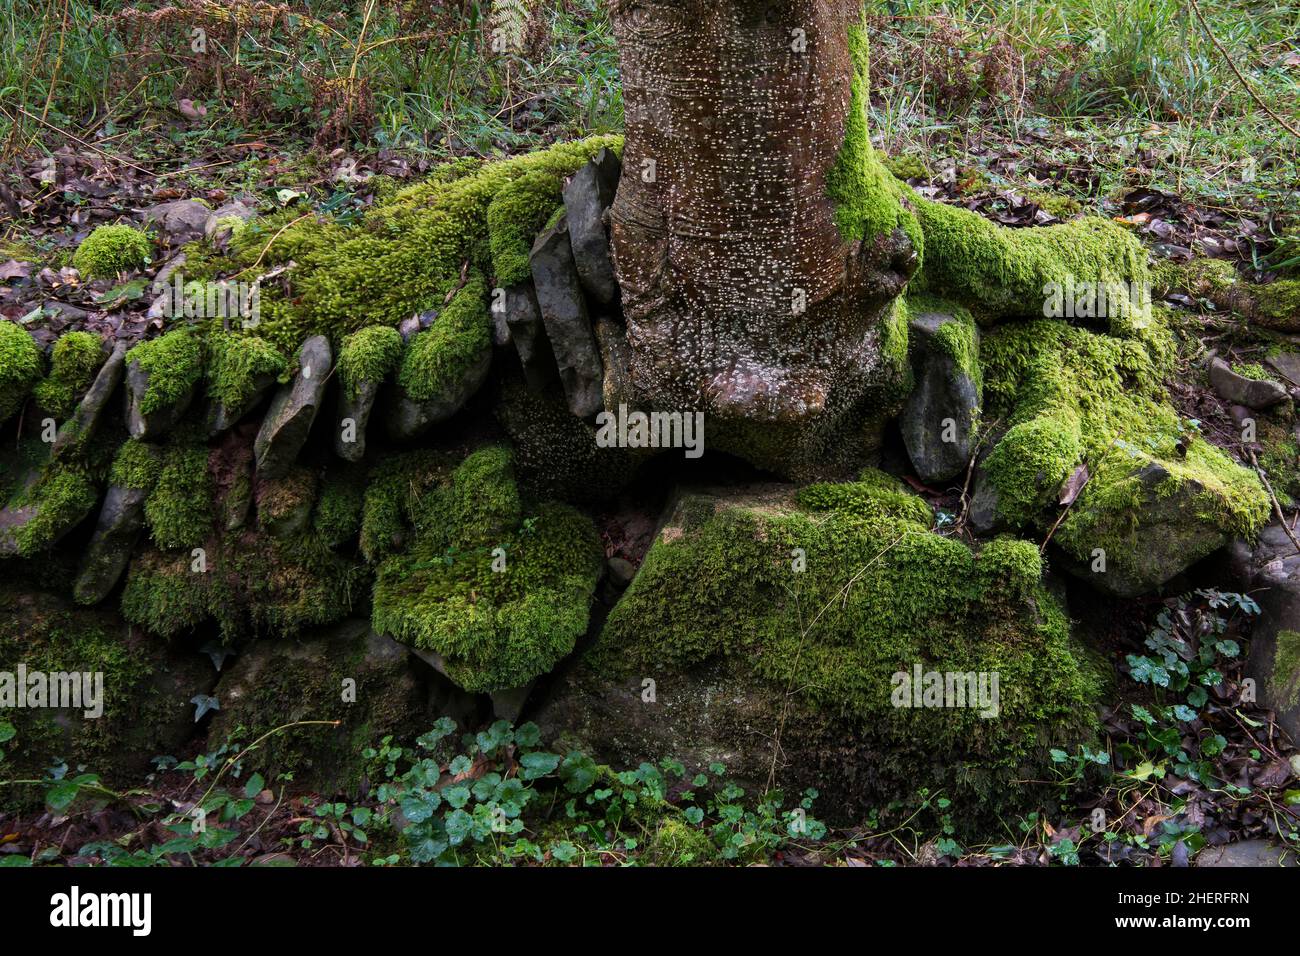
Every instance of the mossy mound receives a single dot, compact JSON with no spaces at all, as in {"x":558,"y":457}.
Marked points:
{"x":21,"y":365}
{"x":750,"y":602}
{"x":368,"y":355}
{"x":498,"y":591}
{"x":1002,"y":273}
{"x":174,"y":363}
{"x":75,"y":360}
{"x":110,"y":250}
{"x":404,"y":257}
{"x":1159,"y":496}
{"x":235,"y":365}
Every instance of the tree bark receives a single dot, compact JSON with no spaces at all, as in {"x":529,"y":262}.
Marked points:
{"x":742,"y":296}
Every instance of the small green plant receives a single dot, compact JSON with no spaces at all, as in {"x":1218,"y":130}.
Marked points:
{"x":110,"y":250}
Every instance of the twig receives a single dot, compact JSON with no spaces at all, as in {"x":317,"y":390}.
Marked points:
{"x":1277,"y":507}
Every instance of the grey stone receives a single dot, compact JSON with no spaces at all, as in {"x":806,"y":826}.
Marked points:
{"x":356,"y":408}
{"x":983,"y":516}
{"x":78,"y":429}
{"x":1248,"y":853}
{"x":939,"y":418}
{"x":409,"y":418}
{"x":231,"y":210}
{"x":1286,"y":364}
{"x":568,"y":326}
{"x":524,"y":319}
{"x":587,"y":197}
{"x":121,"y":519}
{"x":621,"y":571}
{"x":293,"y":410}
{"x":1252,"y":392}
{"x":150,"y":425}
{"x":181,"y":221}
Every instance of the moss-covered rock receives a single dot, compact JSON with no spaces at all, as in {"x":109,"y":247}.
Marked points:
{"x":346,"y":674}
{"x":21,"y":365}
{"x":75,"y":360}
{"x":497,"y":591}
{"x":1159,"y":496}
{"x":764,"y":613}
{"x":179,"y":508}
{"x":240,"y":370}
{"x":110,"y":250}
{"x":162,"y":375}
{"x":146,"y":690}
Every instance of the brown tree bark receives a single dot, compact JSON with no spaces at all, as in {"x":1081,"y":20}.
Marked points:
{"x":741,"y":295}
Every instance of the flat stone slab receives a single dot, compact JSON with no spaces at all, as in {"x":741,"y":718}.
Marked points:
{"x":293,"y":410}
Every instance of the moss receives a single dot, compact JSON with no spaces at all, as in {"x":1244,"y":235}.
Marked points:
{"x":876,"y":595}
{"x":675,"y":842}
{"x":236,"y":362}
{"x":439,"y":357}
{"x":63,"y":498}
{"x":110,"y":250}
{"x":284,"y":504}
{"x":1277,"y":305}
{"x":518,"y":213}
{"x":74,"y":363}
{"x":1062,"y":207}
{"x":1252,"y":370}
{"x":254,"y":584}
{"x":338,"y":510}
{"x":368,"y":355}
{"x":396,"y":483}
{"x":21,"y":365}
{"x":1286,"y":668}
{"x":1006,"y":273}
{"x":404,"y":257}
{"x":869,"y":202}
{"x":179,"y":509}
{"x":499,"y":597}
{"x":875,"y":497}
{"x":173,"y":363}
{"x":907,"y":167}
{"x":137,"y":466}
{"x":1069,"y":396}
{"x":141,"y":705}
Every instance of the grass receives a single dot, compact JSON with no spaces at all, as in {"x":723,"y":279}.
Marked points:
{"x":1114,"y":93}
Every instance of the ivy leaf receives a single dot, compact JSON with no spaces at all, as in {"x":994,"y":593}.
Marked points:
{"x":202,"y":704}
{"x":254,"y":786}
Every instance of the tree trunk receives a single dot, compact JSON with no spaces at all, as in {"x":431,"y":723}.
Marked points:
{"x":746,"y":291}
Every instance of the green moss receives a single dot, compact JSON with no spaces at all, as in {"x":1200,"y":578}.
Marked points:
{"x":907,"y":167}
{"x":874,"y":497}
{"x":437,"y":358}
{"x":368,"y":355}
{"x":514,"y":218}
{"x":338,"y":510}
{"x":284,"y":504}
{"x":236,"y":362}
{"x":396,"y":485}
{"x":254,"y":584}
{"x":136,"y":466}
{"x":21,"y":365}
{"x":1277,"y":305}
{"x":1286,"y":668}
{"x":76,"y":359}
{"x":1069,"y":396}
{"x":869,"y":202}
{"x":878,"y":593}
{"x":110,"y":250}
{"x":1008,"y":273}
{"x":63,"y":498}
{"x":499,"y":597}
{"x":675,"y":842}
{"x":403,"y":258}
{"x":174,"y":364}
{"x":179,"y":509}
{"x":1062,"y":207}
